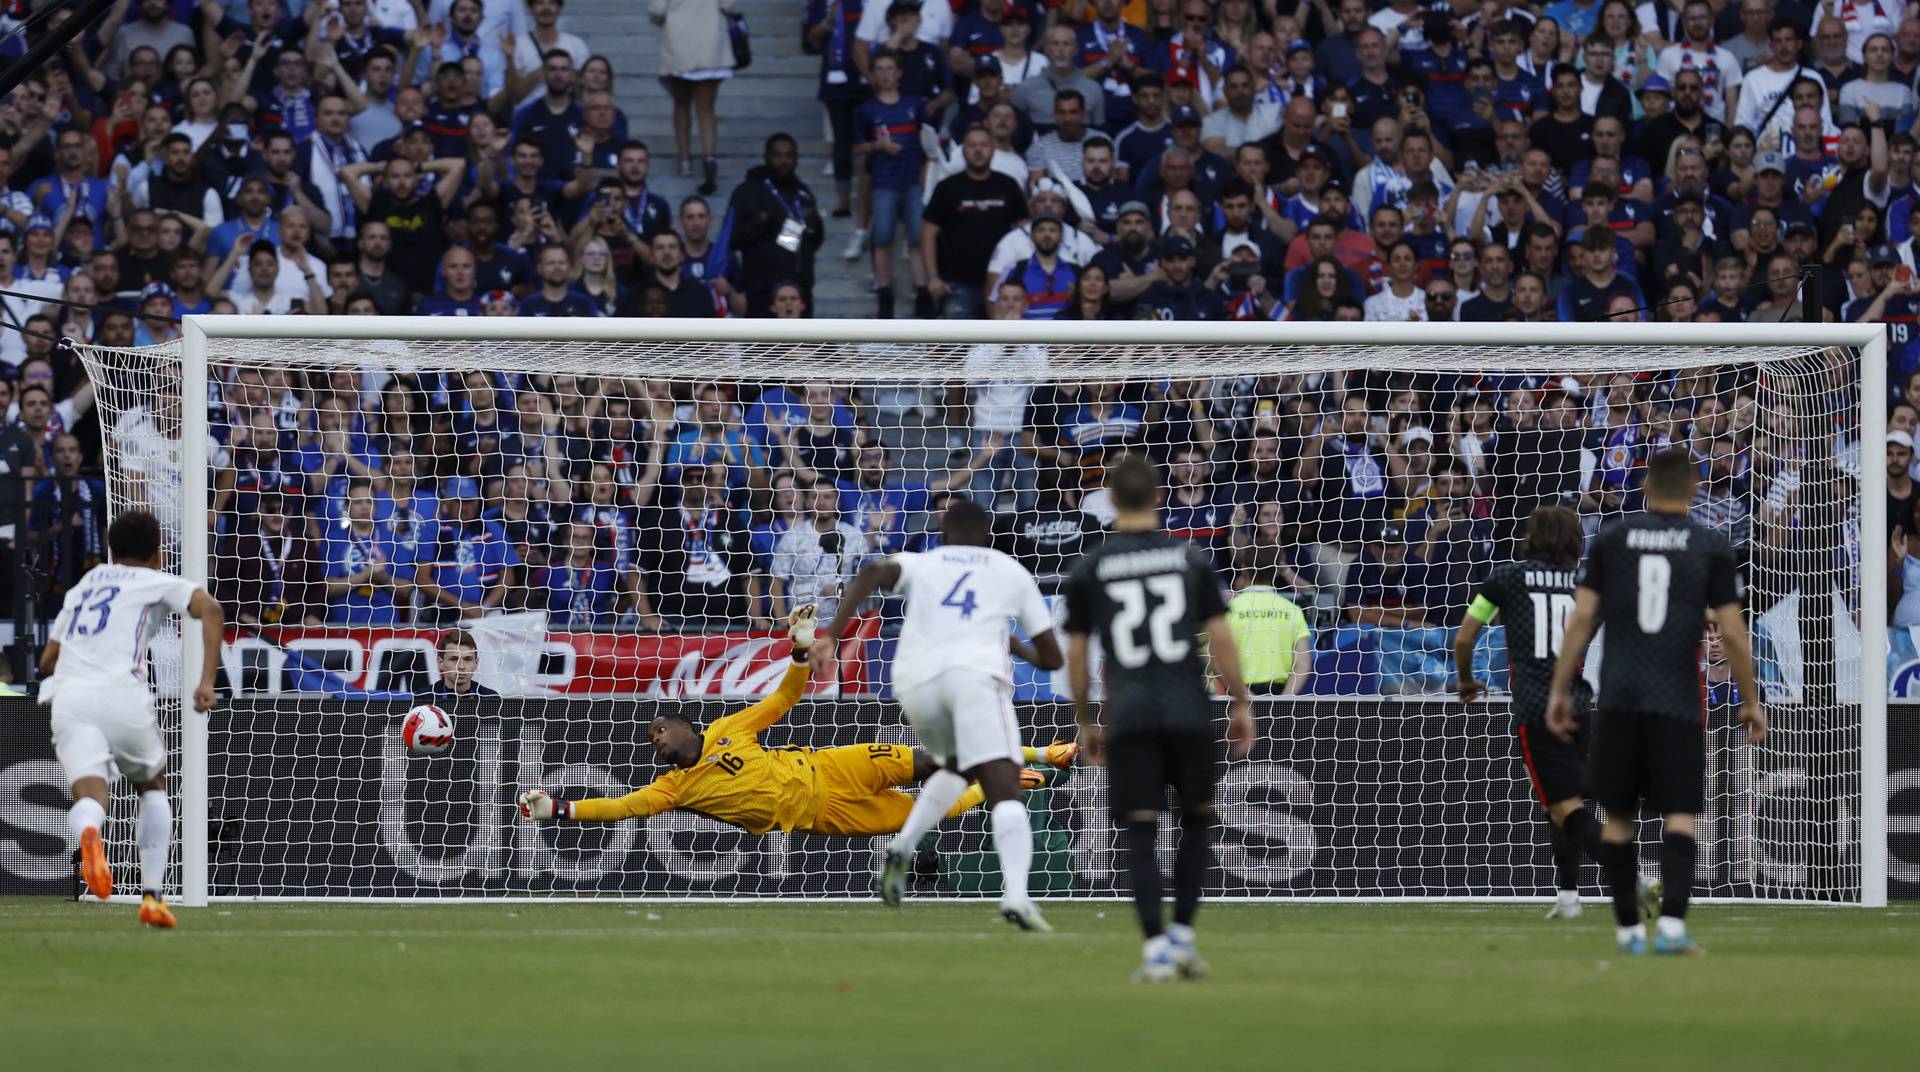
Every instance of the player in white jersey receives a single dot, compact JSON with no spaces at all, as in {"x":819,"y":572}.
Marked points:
{"x":954,"y":680}
{"x":94,"y":672}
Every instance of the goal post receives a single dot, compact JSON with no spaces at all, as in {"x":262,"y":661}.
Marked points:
{"x":1802,"y":382}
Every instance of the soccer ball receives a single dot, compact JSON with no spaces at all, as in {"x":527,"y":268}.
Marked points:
{"x":426,"y":731}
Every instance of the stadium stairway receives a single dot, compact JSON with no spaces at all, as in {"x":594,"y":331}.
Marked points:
{"x":776,"y":94}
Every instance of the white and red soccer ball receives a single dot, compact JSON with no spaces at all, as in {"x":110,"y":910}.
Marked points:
{"x":426,"y":731}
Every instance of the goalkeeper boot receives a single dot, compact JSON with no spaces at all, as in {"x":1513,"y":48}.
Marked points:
{"x":1060,"y":754}
{"x":1024,"y":914}
{"x":1566,"y":905}
{"x":1186,"y":954}
{"x":154,"y":911}
{"x":93,"y":864}
{"x":1651,"y":890}
{"x":1156,"y":961}
{"x":893,"y":875}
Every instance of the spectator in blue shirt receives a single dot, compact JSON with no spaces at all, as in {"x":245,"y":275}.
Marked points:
{"x":555,"y":297}
{"x":360,"y":554}
{"x":887,"y":127}
{"x":464,"y":565}
{"x":580,"y":588}
{"x":458,"y":295}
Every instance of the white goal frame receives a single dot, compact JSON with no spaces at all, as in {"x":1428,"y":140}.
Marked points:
{"x":1870,"y":339}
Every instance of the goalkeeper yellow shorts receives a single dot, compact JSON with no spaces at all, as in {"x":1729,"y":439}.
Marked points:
{"x":857,"y":794}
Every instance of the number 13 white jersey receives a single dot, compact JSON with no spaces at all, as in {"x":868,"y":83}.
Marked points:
{"x":960,"y":603}
{"x":107,"y":622}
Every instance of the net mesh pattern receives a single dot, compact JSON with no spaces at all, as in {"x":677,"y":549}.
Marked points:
{"x":645,"y":514}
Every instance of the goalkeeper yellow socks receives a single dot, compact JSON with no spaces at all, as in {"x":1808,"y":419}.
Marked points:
{"x":973,"y":797}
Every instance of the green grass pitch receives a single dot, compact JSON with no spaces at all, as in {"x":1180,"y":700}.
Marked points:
{"x":547,"y":987}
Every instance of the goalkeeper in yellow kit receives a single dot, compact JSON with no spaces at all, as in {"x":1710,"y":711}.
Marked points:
{"x":725,"y":774}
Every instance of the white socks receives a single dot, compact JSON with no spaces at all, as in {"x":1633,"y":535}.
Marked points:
{"x":1628,"y":934}
{"x":935,"y":801}
{"x":1671,"y":927}
{"x":156,"y":835}
{"x":1013,"y":840}
{"x":86,"y":814}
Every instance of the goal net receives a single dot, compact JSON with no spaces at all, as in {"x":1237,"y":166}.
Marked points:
{"x":556,"y":530}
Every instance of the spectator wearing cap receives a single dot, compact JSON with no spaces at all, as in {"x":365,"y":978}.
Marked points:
{"x":1313,"y":176}
{"x":1770,"y":192}
{"x":1035,"y":95}
{"x":1352,"y":247}
{"x":1046,"y":277}
{"x":1902,"y":491}
{"x":1141,"y":142}
{"x":1585,"y":299}
{"x":1179,"y":294}
{"x":464,"y":566}
{"x":1128,"y":262}
{"x":156,"y":324}
{"x":963,"y":221}
{"x":1112,"y":52}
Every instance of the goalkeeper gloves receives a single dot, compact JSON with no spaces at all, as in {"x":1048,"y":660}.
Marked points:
{"x":537,"y":805}
{"x":800,"y":628}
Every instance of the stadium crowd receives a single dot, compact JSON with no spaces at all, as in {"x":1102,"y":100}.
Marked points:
{"x":1165,"y":159}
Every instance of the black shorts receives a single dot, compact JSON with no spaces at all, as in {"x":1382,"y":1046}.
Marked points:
{"x":1557,"y":768}
{"x":1656,"y":758}
{"x":1142,"y":765}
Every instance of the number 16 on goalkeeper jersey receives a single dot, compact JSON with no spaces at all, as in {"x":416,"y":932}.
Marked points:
{"x":954,"y":680}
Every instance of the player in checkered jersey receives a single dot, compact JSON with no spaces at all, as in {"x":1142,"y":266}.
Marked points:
{"x":1655,"y":578}
{"x":1533,"y":598}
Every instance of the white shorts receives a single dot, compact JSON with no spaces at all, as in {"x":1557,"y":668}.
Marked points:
{"x":963,"y":718}
{"x":101,"y":726}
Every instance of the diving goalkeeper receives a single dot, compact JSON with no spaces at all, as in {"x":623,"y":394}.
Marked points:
{"x":725,"y":774}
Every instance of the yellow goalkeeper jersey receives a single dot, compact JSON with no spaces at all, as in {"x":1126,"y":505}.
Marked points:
{"x":735,"y":780}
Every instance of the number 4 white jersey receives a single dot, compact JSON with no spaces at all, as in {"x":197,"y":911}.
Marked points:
{"x":107,"y":622}
{"x":960,"y":605}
